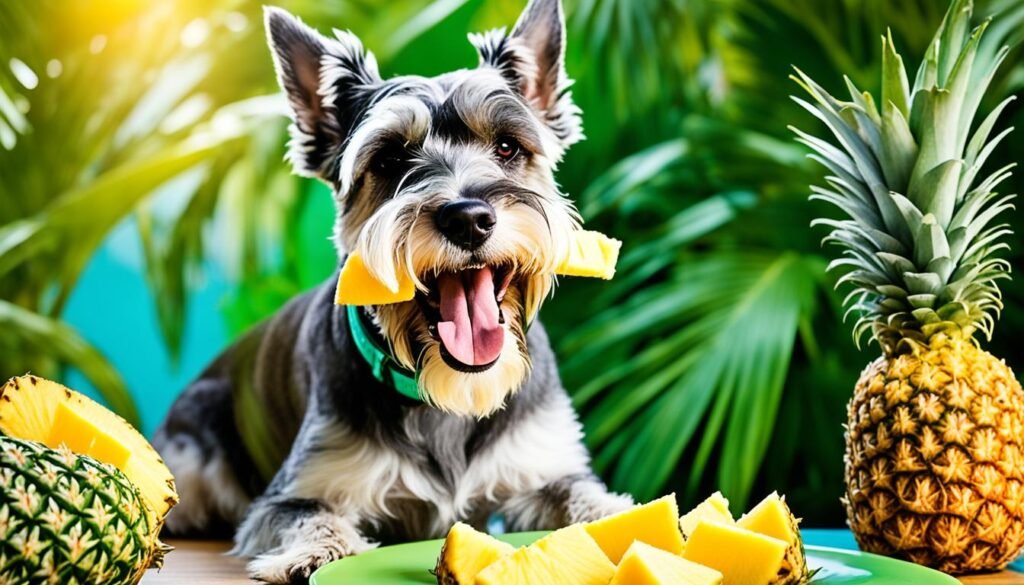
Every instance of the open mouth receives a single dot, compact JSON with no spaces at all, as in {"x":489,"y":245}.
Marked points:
{"x":463,"y":311}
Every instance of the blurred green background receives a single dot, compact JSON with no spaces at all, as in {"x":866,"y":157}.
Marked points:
{"x":147,"y":216}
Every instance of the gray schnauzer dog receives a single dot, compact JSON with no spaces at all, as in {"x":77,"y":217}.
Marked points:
{"x":449,"y":180}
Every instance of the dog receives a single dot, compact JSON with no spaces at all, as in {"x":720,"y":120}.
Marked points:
{"x":395,"y":421}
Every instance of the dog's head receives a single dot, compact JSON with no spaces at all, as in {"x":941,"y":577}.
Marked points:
{"x":449,"y":180}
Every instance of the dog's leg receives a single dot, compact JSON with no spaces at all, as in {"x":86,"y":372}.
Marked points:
{"x":577,"y":498}
{"x":201,"y":448}
{"x":289,"y":538}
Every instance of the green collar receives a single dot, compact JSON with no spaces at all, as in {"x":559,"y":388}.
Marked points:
{"x":384,"y":366}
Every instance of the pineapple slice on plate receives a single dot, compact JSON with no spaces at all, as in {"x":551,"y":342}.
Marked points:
{"x":742,"y":556}
{"x":525,"y":566}
{"x":565,"y":556}
{"x":656,"y":523}
{"x":35,"y":409}
{"x":465,"y":553}
{"x":644,"y":564}
{"x":772,"y":517}
{"x":933,"y":444}
{"x":577,"y":555}
{"x":715,"y":508}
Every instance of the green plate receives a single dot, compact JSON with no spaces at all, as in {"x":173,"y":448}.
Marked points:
{"x":409,"y":564}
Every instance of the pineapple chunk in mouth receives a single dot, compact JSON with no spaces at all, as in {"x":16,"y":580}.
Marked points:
{"x":644,"y":564}
{"x":742,"y":556}
{"x":591,"y":254}
{"x":655,"y":523}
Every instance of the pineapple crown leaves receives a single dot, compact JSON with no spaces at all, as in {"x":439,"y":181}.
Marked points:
{"x":919,"y":240}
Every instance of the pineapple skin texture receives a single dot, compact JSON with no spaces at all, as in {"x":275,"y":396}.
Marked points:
{"x":67,"y":518}
{"x":934,"y":464}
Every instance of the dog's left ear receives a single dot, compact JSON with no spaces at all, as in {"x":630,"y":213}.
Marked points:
{"x":326,"y":81}
{"x":532,"y":59}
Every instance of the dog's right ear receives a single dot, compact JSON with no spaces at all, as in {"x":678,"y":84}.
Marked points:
{"x":325,"y":81}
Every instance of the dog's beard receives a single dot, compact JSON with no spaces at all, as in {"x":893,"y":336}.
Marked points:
{"x":518,"y":260}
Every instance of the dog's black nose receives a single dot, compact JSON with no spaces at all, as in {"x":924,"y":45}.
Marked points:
{"x":467,"y":223}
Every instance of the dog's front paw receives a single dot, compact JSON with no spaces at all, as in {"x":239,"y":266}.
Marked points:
{"x":591,"y":501}
{"x":295,"y":564}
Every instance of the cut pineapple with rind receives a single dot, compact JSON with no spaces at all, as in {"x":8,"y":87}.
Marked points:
{"x":591,"y":254}
{"x":644,"y":564}
{"x":565,"y":556}
{"x":30,"y":406}
{"x":466,"y":552}
{"x":772,"y":517}
{"x":519,"y":568}
{"x":714,"y":508}
{"x":742,"y":556}
{"x":655,"y":523}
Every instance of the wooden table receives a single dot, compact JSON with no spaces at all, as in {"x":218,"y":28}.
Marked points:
{"x":200,"y":562}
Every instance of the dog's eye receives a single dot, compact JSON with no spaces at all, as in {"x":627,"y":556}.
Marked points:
{"x":390,"y":159}
{"x":507,"y":148}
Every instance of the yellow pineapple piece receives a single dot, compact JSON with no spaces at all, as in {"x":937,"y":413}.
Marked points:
{"x":772,"y":517}
{"x":655,"y":523}
{"x":525,"y":566}
{"x":356,"y":286}
{"x":465,"y":553}
{"x":714,"y":508}
{"x":35,"y":409}
{"x":591,"y":254}
{"x":80,"y":435}
{"x":565,"y":556}
{"x":575,"y":551}
{"x":742,"y":556}
{"x":645,"y":565}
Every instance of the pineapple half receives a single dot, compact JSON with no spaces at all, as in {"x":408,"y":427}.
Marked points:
{"x":83,"y":472}
{"x":934,"y":470}
{"x":568,"y":555}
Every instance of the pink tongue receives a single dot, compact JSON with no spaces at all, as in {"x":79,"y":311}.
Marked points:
{"x":469,"y":328}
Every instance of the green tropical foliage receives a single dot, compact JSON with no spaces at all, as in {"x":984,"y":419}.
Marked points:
{"x":715,"y":359}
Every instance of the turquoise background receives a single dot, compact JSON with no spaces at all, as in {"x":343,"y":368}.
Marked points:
{"x":113,"y":308}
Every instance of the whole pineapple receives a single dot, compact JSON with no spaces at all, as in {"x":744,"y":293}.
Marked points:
{"x":67,"y":518}
{"x":934,"y":468}
{"x":83,"y":495}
